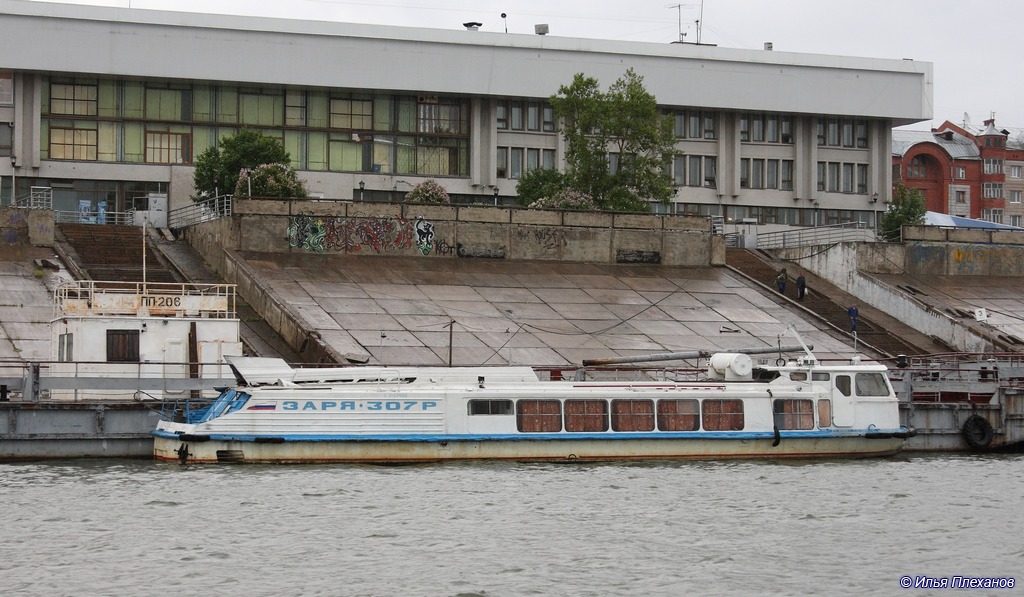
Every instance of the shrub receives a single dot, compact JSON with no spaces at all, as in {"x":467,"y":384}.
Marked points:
{"x":269,"y":180}
{"x":428,"y":192}
{"x":566,"y":199}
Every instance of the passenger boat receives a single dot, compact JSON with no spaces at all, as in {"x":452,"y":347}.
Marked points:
{"x":798,"y":408}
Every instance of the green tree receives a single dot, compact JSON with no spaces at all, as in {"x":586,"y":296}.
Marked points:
{"x":539,"y":183}
{"x":907,"y":208}
{"x":618,"y":144}
{"x":219,"y":167}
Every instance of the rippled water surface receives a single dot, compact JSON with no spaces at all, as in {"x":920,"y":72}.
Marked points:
{"x":839,"y":527}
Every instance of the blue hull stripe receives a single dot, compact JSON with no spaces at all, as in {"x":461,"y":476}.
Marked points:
{"x":607,"y":436}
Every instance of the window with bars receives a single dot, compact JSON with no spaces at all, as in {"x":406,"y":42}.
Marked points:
{"x":123,"y":346}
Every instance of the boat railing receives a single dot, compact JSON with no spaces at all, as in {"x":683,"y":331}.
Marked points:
{"x":105,"y":298}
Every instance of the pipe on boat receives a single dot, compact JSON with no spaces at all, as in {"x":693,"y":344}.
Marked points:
{"x":693,"y":354}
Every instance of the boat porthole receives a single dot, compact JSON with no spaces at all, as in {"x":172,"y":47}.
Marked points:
{"x":571,"y":457}
{"x":977,"y":432}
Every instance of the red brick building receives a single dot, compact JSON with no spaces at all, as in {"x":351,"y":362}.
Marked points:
{"x":964,"y":171}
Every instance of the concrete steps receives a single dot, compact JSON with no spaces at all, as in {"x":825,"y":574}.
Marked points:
{"x":114,"y":253}
{"x":830,"y":303}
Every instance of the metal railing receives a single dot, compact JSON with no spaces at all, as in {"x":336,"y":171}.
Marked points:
{"x":37,"y":198}
{"x":204,"y":211}
{"x":119,"y":218}
{"x":819,"y":235}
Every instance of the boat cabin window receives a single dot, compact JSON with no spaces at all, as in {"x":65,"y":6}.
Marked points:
{"x":632,"y":415}
{"x":819,"y":376}
{"x":538,"y":416}
{"x":871,"y":384}
{"x":123,"y":346}
{"x":824,"y":413}
{"x":586,"y":415}
{"x":678,"y":415}
{"x":490,"y":407}
{"x":794,"y":414}
{"x":843,"y":384}
{"x":65,"y":347}
{"x":798,"y":376}
{"x":722,"y":415}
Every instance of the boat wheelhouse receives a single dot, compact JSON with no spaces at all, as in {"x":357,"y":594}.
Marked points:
{"x":134,"y":340}
{"x":798,"y":409}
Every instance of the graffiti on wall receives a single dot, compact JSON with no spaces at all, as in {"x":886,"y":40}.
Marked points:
{"x":550,"y":239}
{"x":353,"y":235}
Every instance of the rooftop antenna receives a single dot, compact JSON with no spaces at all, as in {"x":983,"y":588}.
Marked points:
{"x":700,"y":20}
{"x":503,"y":15}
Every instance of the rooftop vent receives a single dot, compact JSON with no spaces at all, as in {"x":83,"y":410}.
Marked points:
{"x":472,"y":26}
{"x":541,"y":29}
{"x":768,"y":46}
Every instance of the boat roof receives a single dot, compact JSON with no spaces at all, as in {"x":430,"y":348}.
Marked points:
{"x":268,"y":371}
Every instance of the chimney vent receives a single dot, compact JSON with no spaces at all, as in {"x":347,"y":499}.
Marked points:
{"x":541,"y":29}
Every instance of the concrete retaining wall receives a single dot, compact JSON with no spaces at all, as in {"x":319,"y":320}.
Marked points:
{"x":469,"y":232}
{"x":842,"y":264}
{"x":19,"y":226}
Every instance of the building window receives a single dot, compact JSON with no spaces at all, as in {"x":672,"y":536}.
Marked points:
{"x":822,"y":175}
{"x":501,"y":115}
{"x":772,"y":174}
{"x":295,"y":108}
{"x":501,"y":161}
{"x":862,"y":134}
{"x":757,"y":174}
{"x":123,"y":346}
{"x":709,"y":126}
{"x":6,"y":87}
{"x":351,"y":114}
{"x":548,"y":156}
{"x":679,"y":171}
{"x":1015,"y":196}
{"x":744,"y":174}
{"x":632,"y":415}
{"x":960,"y":172}
{"x":1015,"y":171}
{"x":73,"y":143}
{"x":538,"y":416}
{"x":710,"y":165}
{"x":548,"y":119}
{"x":72,"y":99}
{"x":532,"y":159}
{"x":862,"y":179}
{"x":847,"y":133}
{"x":848,"y":178}
{"x":262,"y":107}
{"x":582,"y":416}
{"x":1015,"y":221}
{"x":438,"y":117}
{"x":678,"y":415}
{"x":722,"y":415}
{"x":786,"y":182}
{"x":992,"y":190}
{"x":992,"y":215}
{"x":993,"y":166}
{"x":833,"y":177}
{"x":516,"y":171}
{"x":961,"y":197}
{"x":533,"y":116}
{"x":517,"y":121}
{"x":168,"y":148}
{"x":917,"y":168}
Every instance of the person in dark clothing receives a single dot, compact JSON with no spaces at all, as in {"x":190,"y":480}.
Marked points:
{"x":780,"y":281}
{"x":801,"y":287}
{"x":854,"y":314}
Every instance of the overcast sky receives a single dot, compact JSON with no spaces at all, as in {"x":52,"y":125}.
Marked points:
{"x":971,"y":45}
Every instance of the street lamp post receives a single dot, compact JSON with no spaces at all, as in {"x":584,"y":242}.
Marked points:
{"x":362,"y":185}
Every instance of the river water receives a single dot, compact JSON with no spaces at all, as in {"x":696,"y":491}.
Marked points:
{"x":117,"y":527}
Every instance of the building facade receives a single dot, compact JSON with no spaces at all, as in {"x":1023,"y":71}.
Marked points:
{"x":973,"y":172}
{"x":108,"y":105}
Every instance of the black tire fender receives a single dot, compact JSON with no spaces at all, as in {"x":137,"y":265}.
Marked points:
{"x":978,"y":432}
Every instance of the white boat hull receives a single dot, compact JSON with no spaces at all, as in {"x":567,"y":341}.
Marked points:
{"x":702,"y":448}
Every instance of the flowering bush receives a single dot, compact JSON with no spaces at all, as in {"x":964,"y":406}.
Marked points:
{"x":269,"y":180}
{"x":429,"y":192}
{"x":566,"y":199}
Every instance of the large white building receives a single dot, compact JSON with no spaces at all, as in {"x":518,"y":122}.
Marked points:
{"x":106,"y":105}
